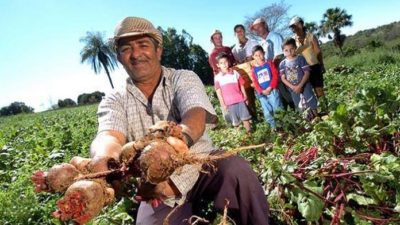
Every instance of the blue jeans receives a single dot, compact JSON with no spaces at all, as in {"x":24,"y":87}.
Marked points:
{"x":311,"y":99}
{"x":270,"y":104}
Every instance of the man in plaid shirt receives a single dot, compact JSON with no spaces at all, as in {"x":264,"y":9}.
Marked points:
{"x":155,"y":93}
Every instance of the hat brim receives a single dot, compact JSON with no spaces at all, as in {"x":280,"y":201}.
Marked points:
{"x":293,"y":23}
{"x":132,"y":34}
{"x":157,"y":37}
{"x":252,"y":26}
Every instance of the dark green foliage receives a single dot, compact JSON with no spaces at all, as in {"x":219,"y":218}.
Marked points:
{"x":180,"y":52}
{"x":386,"y":33}
{"x":350,"y":51}
{"x":374,"y":44}
{"x":15,"y":108}
{"x":66,"y":103}
{"x":94,"y":97}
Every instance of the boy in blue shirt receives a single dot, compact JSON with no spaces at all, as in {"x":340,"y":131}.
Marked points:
{"x":295,"y":73}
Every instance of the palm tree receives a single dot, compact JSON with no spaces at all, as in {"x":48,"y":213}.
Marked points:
{"x":333,"y":20}
{"x":312,"y":27}
{"x":98,"y":53}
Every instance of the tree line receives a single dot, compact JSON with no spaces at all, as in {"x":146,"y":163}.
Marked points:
{"x":83,"y":99}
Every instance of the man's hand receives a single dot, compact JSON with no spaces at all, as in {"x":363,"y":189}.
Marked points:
{"x":156,"y":194}
{"x":100,"y":163}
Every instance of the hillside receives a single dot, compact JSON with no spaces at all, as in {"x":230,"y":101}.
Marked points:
{"x":387,"y":36}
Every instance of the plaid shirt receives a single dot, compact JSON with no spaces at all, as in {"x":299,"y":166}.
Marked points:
{"x":129,"y":112}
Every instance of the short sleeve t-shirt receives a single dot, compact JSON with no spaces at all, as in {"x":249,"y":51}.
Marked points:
{"x":294,"y":69}
{"x":229,"y":84}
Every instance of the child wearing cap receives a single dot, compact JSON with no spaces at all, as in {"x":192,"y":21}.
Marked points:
{"x":265,"y":81}
{"x":295,"y":73}
{"x":231,"y":93}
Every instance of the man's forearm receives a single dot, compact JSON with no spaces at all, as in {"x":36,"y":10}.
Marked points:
{"x":193,"y":122}
{"x":107,"y":144}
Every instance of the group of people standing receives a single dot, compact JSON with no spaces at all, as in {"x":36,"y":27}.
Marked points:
{"x":281,"y":73}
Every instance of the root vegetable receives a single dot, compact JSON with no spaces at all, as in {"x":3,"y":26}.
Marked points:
{"x":153,"y":158}
{"x":129,"y":151}
{"x":157,"y":163}
{"x":39,"y":180}
{"x":60,"y":177}
{"x":83,"y":200}
{"x":57,"y":179}
{"x":80,"y":163}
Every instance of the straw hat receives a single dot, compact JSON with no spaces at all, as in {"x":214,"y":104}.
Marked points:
{"x":135,"y":26}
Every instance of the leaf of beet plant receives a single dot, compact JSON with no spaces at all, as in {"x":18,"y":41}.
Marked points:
{"x":309,"y":205}
{"x":360,"y":199}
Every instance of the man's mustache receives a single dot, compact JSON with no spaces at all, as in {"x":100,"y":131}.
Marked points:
{"x":136,"y":61}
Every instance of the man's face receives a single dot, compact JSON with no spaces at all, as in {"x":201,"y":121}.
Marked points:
{"x":296,"y":28}
{"x":217,"y":40}
{"x":140,"y":58}
{"x":240,"y":33}
{"x":260,"y":29}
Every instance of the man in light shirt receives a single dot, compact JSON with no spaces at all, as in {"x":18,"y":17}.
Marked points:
{"x":243,"y":48}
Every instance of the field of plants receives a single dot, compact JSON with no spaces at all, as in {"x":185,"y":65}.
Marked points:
{"x":341,"y":168}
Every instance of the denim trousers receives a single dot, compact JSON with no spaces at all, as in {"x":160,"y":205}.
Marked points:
{"x":270,"y":104}
{"x":308,"y":93}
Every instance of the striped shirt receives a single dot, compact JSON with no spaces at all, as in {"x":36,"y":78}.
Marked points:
{"x":129,"y":112}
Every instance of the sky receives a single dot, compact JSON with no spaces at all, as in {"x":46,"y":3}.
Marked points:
{"x":40,"y":47}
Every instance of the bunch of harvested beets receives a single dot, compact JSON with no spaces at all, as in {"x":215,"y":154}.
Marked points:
{"x":86,"y":190}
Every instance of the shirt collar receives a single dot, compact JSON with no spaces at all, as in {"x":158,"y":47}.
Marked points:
{"x":165,"y":82}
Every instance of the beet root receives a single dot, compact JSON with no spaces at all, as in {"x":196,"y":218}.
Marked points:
{"x":57,"y":179}
{"x":129,"y":152}
{"x":39,"y":180}
{"x":60,"y":177}
{"x":83,"y":200}
{"x":166,"y":129}
{"x":80,"y":163}
{"x":158,"y":162}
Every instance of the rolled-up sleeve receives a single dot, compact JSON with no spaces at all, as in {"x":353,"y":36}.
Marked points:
{"x":112,"y":115}
{"x":191,"y":93}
